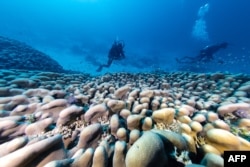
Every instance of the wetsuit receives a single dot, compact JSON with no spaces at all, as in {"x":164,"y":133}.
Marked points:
{"x":205,"y":54}
{"x":115,"y":53}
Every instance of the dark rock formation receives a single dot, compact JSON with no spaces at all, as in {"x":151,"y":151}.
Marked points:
{"x":18,"y":55}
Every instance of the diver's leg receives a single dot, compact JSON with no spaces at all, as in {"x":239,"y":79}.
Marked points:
{"x":109,"y":62}
{"x":100,"y":68}
{"x":105,"y":65}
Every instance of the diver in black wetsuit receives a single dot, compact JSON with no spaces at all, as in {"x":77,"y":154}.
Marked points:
{"x":205,"y":55}
{"x":115,"y":53}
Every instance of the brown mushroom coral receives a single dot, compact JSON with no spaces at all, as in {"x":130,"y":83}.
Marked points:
{"x":149,"y":150}
{"x":222,"y":140}
{"x":114,"y":119}
{"x":27,"y":154}
{"x":95,"y":112}
{"x":165,"y":115}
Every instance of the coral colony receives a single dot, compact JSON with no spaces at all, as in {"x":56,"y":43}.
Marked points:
{"x":18,"y":55}
{"x":123,"y":120}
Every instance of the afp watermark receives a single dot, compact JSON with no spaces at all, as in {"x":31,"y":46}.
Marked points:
{"x":236,"y":158}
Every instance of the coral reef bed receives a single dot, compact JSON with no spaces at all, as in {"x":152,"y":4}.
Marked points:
{"x":18,"y":55}
{"x":121,"y":120}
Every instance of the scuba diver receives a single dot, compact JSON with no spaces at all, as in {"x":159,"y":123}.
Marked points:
{"x":205,"y":55}
{"x":115,"y":53}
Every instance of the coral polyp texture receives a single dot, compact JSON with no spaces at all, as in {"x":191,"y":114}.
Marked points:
{"x":122,"y":120}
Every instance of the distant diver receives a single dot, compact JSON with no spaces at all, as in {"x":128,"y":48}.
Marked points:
{"x":205,"y":55}
{"x":115,"y":53}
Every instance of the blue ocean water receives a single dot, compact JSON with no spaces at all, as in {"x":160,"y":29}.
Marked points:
{"x":79,"y":33}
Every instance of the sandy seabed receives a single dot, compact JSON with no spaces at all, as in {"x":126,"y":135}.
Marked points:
{"x":122,"y":119}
